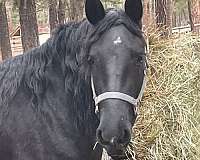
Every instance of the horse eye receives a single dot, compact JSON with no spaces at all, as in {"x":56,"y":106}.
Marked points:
{"x":139,"y":59}
{"x":90,"y":60}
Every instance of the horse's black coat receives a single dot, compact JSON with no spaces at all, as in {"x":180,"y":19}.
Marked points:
{"x":46,"y":106}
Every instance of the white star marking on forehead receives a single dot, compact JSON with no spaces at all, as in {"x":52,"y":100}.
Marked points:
{"x":117,"y":41}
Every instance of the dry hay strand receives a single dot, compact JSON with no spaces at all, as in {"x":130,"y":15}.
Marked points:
{"x":168,"y":125}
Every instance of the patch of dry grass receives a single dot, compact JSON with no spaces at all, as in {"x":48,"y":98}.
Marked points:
{"x":168,"y":125}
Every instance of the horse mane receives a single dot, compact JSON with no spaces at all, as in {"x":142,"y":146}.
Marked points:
{"x":69,"y":45}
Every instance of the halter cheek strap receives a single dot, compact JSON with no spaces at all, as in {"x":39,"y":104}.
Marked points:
{"x":118,"y":95}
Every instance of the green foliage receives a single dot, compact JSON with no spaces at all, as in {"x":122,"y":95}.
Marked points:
{"x":42,"y":11}
{"x":15,"y":17}
{"x":180,"y":5}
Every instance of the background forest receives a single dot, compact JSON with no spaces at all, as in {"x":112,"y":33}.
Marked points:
{"x":168,"y":124}
{"x":33,"y":15}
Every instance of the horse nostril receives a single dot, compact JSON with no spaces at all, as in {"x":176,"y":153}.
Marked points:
{"x":100,"y":138}
{"x":126,"y":137}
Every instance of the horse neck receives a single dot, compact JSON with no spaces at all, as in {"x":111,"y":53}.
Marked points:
{"x":78,"y":96}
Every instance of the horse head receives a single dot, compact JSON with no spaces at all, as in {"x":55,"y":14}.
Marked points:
{"x":118,"y":63}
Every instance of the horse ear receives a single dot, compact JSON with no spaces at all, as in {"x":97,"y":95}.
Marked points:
{"x":94,"y":11}
{"x":134,"y":10}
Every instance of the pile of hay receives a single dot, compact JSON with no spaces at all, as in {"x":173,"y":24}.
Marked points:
{"x":168,"y":125}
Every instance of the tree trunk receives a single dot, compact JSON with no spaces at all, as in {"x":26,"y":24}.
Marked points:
{"x":9,"y":6}
{"x":0,"y":53}
{"x":160,"y":13}
{"x":195,"y":9}
{"x":152,"y":11}
{"x":53,"y":21}
{"x":76,"y":10}
{"x":5,"y":46}
{"x":28,"y":22}
{"x":146,"y":13}
{"x":61,"y":12}
{"x":169,"y":14}
{"x":190,"y":15}
{"x":164,"y":13}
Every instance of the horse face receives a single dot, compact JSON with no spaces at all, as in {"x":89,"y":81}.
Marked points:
{"x":117,"y":65}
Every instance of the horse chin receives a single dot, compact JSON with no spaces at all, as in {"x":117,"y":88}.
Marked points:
{"x":120,"y":157}
{"x":116,"y":154}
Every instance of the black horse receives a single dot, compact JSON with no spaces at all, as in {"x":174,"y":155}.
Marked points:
{"x":47,"y":111}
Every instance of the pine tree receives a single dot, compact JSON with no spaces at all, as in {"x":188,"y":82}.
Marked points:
{"x":28,"y":22}
{"x":5,"y":47}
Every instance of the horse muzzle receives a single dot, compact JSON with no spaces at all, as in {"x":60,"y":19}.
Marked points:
{"x":115,"y":141}
{"x":116,"y":145}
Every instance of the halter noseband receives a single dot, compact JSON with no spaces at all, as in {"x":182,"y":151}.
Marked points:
{"x":117,"y":95}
